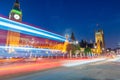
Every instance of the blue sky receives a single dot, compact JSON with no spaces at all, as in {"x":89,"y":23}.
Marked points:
{"x":66,"y":16}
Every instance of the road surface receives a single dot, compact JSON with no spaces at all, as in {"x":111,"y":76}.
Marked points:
{"x":95,"y":71}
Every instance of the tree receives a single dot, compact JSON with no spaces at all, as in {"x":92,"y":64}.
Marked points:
{"x":77,"y":50}
{"x":70,"y":49}
{"x":87,"y":50}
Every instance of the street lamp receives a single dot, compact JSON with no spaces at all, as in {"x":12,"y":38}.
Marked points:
{"x":95,"y":47}
{"x":76,"y":42}
{"x":107,"y":50}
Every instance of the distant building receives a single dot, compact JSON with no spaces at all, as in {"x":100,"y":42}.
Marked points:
{"x":85,"y":44}
{"x":118,"y":49}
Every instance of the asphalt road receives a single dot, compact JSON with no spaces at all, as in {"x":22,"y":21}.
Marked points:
{"x":94,"y":71}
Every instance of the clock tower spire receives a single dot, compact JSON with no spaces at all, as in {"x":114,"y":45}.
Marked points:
{"x":16,"y":13}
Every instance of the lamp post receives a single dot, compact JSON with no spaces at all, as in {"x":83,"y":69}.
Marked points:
{"x":95,"y":47}
{"x":48,"y":56}
{"x":32,"y":43}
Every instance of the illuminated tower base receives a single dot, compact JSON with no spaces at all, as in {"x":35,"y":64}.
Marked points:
{"x":13,"y":38}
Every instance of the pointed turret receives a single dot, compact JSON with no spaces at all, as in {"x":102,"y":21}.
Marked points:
{"x":16,"y":5}
{"x":72,"y":37}
{"x":17,"y":1}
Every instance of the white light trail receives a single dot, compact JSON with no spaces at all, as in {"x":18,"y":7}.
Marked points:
{"x":25,"y":48}
{"x":30,"y":27}
{"x":28,"y":30}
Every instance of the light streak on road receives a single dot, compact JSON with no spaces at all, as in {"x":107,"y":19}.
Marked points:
{"x":28,"y":67}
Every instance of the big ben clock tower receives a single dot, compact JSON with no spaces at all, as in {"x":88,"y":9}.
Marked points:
{"x":13,"y":38}
{"x":16,"y":13}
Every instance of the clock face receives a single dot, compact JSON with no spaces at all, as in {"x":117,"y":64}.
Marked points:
{"x":16,"y":16}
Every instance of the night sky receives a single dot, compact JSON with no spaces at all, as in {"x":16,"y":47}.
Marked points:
{"x":66,"y":16}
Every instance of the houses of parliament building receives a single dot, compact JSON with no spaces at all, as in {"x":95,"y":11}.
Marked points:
{"x":17,"y":34}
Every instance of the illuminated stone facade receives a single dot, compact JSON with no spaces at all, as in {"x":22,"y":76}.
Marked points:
{"x":99,"y":40}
